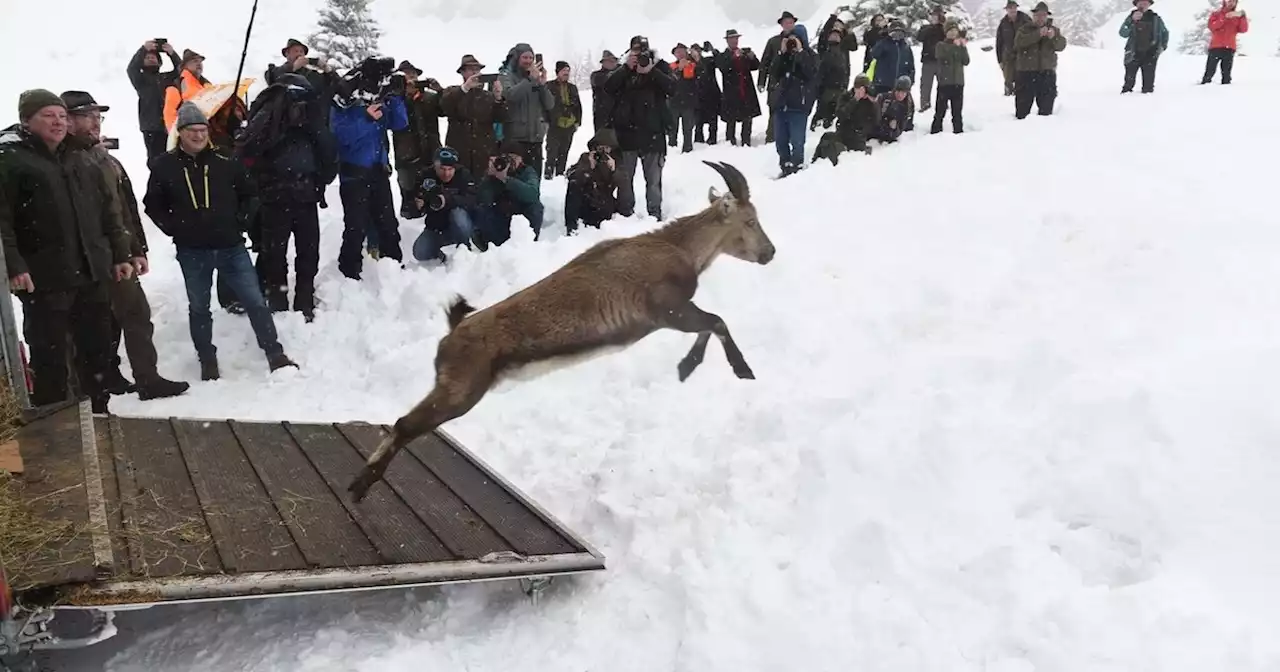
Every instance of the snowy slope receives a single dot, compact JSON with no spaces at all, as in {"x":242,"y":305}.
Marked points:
{"x":1014,"y":408}
{"x":1263,"y":38}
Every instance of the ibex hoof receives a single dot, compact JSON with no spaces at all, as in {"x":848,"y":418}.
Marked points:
{"x":745,"y":373}
{"x":360,"y":487}
{"x":686,"y":369}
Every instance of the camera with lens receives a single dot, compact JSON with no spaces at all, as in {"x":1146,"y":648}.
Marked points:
{"x":791,"y":43}
{"x":501,"y":162}
{"x":601,"y":156}
{"x":111,"y":143}
{"x":373,"y":81}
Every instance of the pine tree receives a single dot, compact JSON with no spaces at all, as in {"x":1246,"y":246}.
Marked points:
{"x":347,"y":33}
{"x":1077,"y":20}
{"x":1196,"y":39}
{"x":914,"y":14}
{"x":987,"y":19}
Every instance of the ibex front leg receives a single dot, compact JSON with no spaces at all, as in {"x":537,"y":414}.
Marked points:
{"x":694,"y":320}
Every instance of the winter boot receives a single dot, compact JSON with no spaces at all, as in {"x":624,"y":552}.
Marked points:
{"x":159,"y":388}
{"x":209,"y":369}
{"x":114,"y":382}
{"x":280,"y":361}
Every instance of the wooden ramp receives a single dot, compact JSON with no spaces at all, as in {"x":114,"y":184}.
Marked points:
{"x":161,"y":510}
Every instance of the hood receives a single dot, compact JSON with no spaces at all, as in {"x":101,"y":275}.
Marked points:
{"x":604,"y":136}
{"x":801,"y":32}
{"x":514,"y":53}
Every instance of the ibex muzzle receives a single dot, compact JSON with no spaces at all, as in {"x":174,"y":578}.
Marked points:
{"x":612,"y":295}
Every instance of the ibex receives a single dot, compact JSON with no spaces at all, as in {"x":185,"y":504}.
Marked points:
{"x":610,"y":296}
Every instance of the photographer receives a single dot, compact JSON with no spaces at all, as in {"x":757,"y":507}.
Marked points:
{"x":150,"y":83}
{"x":524,"y":85}
{"x":684,"y":99}
{"x":447,"y":197}
{"x":794,"y":73}
{"x":591,"y":195}
{"x":740,"y":103}
{"x":772,"y":48}
{"x":473,"y":112}
{"x":1147,"y":38}
{"x":641,"y":88}
{"x":707,"y":117}
{"x":374,"y":104}
{"x":601,"y":103}
{"x":415,"y":145}
{"x":510,"y":187}
{"x":317,"y":71}
{"x":953,"y":57}
{"x":1036,"y":47}
{"x":856,"y":118}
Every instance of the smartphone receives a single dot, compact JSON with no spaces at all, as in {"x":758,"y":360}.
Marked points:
{"x":488,"y":78}
{"x":537,"y":58}
{"x":111,"y":143}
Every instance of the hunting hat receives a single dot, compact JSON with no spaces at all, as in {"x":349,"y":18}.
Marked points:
{"x":861,"y":81}
{"x":679,"y":45}
{"x":407,"y":67}
{"x":190,"y":115}
{"x":188,"y":56}
{"x":81,"y":101}
{"x":694,"y":46}
{"x":561,"y":65}
{"x":35,"y":100}
{"x":1041,"y":7}
{"x":607,"y":56}
{"x":731,"y":33}
{"x":1011,"y":3}
{"x":294,"y":43}
{"x":469,"y":61}
{"x":787,"y":15}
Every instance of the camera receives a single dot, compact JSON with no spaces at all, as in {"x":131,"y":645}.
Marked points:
{"x":160,"y":42}
{"x":111,"y":143}
{"x":373,"y":81}
{"x":646,"y":57}
{"x":602,"y":157}
{"x":501,"y":162}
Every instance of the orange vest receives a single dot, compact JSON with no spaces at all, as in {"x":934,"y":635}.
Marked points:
{"x":187,"y":87}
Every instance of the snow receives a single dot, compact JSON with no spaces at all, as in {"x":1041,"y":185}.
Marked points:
{"x":1014,"y":406}
{"x":1263,"y":38}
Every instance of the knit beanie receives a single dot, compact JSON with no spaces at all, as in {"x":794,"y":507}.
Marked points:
{"x":190,"y":115}
{"x":35,"y":100}
{"x":561,"y":65}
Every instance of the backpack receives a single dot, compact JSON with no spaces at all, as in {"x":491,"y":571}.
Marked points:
{"x":274,"y":112}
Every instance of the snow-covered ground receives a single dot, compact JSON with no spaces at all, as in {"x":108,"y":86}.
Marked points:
{"x":1014,"y":408}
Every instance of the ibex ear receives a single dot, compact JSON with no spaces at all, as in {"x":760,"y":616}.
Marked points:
{"x":712,"y":194}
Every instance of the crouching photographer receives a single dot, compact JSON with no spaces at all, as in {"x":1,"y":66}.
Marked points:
{"x":511,"y":187}
{"x":447,"y":197}
{"x":369,"y":102}
{"x":592,"y":194}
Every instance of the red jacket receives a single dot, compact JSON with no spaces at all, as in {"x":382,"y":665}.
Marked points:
{"x":1225,"y":29}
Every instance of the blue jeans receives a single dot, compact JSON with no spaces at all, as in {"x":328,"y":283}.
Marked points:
{"x":458,"y":232}
{"x":494,"y":226}
{"x":233,"y":266}
{"x":788,"y":136}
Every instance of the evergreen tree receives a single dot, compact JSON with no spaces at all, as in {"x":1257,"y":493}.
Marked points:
{"x":914,"y":14}
{"x":986,"y":20}
{"x":1196,"y":38}
{"x":347,"y":33}
{"x":1077,"y":20}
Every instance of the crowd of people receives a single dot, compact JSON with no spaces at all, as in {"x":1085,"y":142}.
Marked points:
{"x":72,"y":231}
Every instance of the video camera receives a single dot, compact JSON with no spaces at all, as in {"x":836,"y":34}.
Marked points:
{"x":373,"y":81}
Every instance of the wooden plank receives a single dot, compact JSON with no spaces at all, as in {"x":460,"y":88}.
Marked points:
{"x":464,"y":532}
{"x":324,"y":531}
{"x":96,"y":499}
{"x":527,"y":533}
{"x":163,"y":523}
{"x":111,"y":492}
{"x":247,"y":529}
{"x":397,"y":534}
{"x":56,"y":546}
{"x":10,"y":458}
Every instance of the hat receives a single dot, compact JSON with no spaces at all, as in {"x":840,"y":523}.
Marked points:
{"x":406,"y":66}
{"x":469,"y":61}
{"x":1011,"y":3}
{"x":638,"y":39}
{"x":35,"y":100}
{"x":694,"y":46}
{"x":606,"y":137}
{"x":509,"y":146}
{"x":561,"y":65}
{"x":861,"y":81}
{"x":607,"y":56}
{"x":446,"y":156}
{"x":731,"y":33}
{"x":903,"y":84}
{"x":953,"y":25}
{"x":1149,"y":2}
{"x":1041,"y":7}
{"x":679,"y":45}
{"x":937,"y":11}
{"x":787,"y":15}
{"x":294,"y":43}
{"x":188,"y":56}
{"x":80,"y":101}
{"x":190,"y":115}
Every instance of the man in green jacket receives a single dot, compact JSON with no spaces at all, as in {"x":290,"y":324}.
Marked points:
{"x":64,"y":243}
{"x":1146,"y":37}
{"x":1036,"y":46}
{"x":510,"y":187}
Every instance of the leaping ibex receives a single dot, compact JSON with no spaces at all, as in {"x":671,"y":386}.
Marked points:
{"x":612,"y":295}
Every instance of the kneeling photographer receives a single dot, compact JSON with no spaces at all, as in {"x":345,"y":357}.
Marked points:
{"x":511,"y":187}
{"x":640,"y":117}
{"x":447,"y":197}
{"x":369,"y":102}
{"x":591,"y":196}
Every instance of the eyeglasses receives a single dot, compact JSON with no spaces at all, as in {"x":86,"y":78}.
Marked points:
{"x":96,"y":116}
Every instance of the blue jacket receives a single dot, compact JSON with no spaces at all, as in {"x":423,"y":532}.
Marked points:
{"x":894,"y":59}
{"x":796,"y":75}
{"x":362,"y":141}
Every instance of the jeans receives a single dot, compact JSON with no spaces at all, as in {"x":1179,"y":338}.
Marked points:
{"x":457,"y":231}
{"x":493,"y":224}
{"x":233,"y":264}
{"x":788,"y":135}
{"x":651,"y":165}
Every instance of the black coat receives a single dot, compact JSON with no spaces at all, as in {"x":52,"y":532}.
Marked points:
{"x":640,"y":111}
{"x":708,"y":89}
{"x":601,"y":101}
{"x":58,"y":214}
{"x":150,"y":84}
{"x":740,"y":101}
{"x":204,"y":201}
{"x":292,"y":154}
{"x":929,"y":36}
{"x":440,"y":198}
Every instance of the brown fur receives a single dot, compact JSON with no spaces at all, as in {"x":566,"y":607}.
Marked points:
{"x":612,"y":294}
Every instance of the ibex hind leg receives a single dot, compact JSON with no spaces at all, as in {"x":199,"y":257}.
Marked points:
{"x":692,"y":319}
{"x":450,"y":399}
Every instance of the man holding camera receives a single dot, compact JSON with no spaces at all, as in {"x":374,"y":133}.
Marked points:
{"x":447,"y":197}
{"x":317,"y":70}
{"x":1225,"y":24}
{"x":641,"y":88}
{"x":772,"y":48}
{"x":1146,"y":38}
{"x":372,"y":108}
{"x":524,"y":85}
{"x":1037,"y":45}
{"x":415,"y":145}
{"x":150,"y":83}
{"x":473,"y":112}
{"x":740,"y":105}
{"x":794,"y":74}
{"x":131,"y":312}
{"x":591,"y":195}
{"x":510,"y":187}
